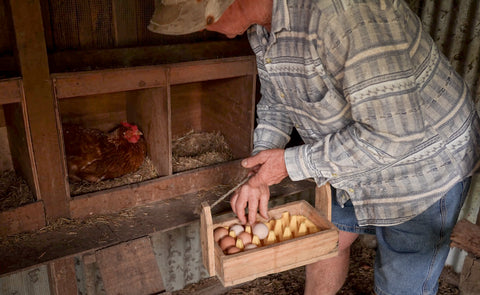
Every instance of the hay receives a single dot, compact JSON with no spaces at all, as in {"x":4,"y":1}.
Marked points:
{"x":145,"y":172}
{"x":199,"y":149}
{"x":14,"y":191}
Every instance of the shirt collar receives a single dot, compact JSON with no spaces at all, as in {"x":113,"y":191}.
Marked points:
{"x":280,"y":16}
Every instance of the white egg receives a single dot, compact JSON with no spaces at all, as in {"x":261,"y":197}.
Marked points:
{"x":237,"y":229}
{"x":260,"y":230}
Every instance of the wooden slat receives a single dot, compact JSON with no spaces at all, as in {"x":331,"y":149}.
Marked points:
{"x":33,"y":60}
{"x":211,"y":70}
{"x":114,"y":200}
{"x":71,"y":239}
{"x":85,"y":25}
{"x":323,"y":200}
{"x":29,"y":217}
{"x":130,"y":268}
{"x":107,"y":81}
{"x":149,"y":109}
{"x":21,"y":148}
{"x":206,"y":236}
{"x":10,"y":90}
{"x":62,"y":276}
{"x":64,"y":24}
{"x":125,"y":22}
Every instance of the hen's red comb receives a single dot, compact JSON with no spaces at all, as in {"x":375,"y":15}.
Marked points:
{"x":128,"y":125}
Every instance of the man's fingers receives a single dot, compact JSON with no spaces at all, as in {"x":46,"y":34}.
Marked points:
{"x":263,"y":206}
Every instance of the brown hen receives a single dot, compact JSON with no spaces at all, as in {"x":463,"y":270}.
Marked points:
{"x":93,"y":155}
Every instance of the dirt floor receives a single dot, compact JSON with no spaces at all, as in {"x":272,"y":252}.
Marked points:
{"x":359,"y":281}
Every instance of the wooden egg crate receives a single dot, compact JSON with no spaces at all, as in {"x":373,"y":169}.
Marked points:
{"x":247,"y":265}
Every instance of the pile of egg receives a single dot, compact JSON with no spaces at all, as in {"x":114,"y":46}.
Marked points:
{"x":237,"y":237}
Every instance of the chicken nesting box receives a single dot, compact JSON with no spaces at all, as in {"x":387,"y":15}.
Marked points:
{"x":19,"y":182}
{"x":166,"y":102}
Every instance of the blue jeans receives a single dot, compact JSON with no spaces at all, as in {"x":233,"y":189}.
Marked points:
{"x":410,"y":256}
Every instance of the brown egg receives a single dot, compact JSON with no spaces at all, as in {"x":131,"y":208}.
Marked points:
{"x":245,"y":237}
{"x":219,"y":233}
{"x":227,"y":242}
{"x":233,"y":250}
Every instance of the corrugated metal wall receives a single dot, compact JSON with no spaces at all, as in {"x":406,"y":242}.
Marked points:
{"x":455,"y":27}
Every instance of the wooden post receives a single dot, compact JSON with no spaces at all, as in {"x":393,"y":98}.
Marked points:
{"x":41,"y":106}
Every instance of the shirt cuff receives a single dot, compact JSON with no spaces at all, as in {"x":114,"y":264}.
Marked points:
{"x":297,"y":163}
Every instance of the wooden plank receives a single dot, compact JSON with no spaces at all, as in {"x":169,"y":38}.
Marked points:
{"x":114,"y":200}
{"x":85,"y":25}
{"x":101,"y":14}
{"x":130,"y":268}
{"x":125,"y":22}
{"x":33,"y":59}
{"x":470,"y":276}
{"x":107,"y":81}
{"x":86,"y":60}
{"x":21,"y":148}
{"x":206,"y":237}
{"x":6,"y":42}
{"x":73,"y":236}
{"x":32,"y":281}
{"x":323,"y":200}
{"x":150,"y":110}
{"x":211,"y":70}
{"x":62,"y":276}
{"x":29,"y":217}
{"x":64,"y":24}
{"x":466,"y":236}
{"x":11,"y":90}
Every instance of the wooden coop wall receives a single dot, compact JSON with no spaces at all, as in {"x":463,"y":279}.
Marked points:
{"x":48,"y":42}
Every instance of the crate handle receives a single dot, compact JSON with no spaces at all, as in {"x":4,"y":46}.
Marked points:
{"x":323,"y":200}
{"x":206,"y":237}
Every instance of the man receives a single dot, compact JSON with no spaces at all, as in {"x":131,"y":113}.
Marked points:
{"x":384,"y":117}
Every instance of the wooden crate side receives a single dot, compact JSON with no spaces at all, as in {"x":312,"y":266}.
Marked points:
{"x":26,"y":218}
{"x":232,"y":269}
{"x":286,"y":255}
{"x":206,"y":237}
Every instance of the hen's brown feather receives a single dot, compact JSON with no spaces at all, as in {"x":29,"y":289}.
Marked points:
{"x":93,"y":155}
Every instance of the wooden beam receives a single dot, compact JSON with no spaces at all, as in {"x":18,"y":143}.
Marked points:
{"x":40,"y":104}
{"x":11,"y":90}
{"x":62,"y":276}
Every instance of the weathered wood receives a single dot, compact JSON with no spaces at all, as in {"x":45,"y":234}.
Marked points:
{"x":21,"y":148}
{"x":150,"y":110}
{"x":130,"y":268}
{"x":211,"y":70}
{"x":124,"y":22}
{"x":85,"y":60}
{"x":11,"y":90}
{"x":33,"y":61}
{"x":108,"y":81}
{"x":206,"y":237}
{"x":62,"y":276}
{"x":71,"y":239}
{"x":466,"y":236}
{"x":470,"y":276}
{"x":116,"y":199}
{"x":248,"y":265}
{"x":29,"y":217}
{"x":323,"y":200}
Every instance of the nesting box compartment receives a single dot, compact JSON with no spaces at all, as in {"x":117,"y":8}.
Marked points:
{"x":23,"y":212}
{"x":250,"y":264}
{"x":165,"y":102}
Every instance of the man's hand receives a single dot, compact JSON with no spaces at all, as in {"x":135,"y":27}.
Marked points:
{"x":267,"y":168}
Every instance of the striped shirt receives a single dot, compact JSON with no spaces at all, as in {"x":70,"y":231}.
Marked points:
{"x":383,"y":115}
